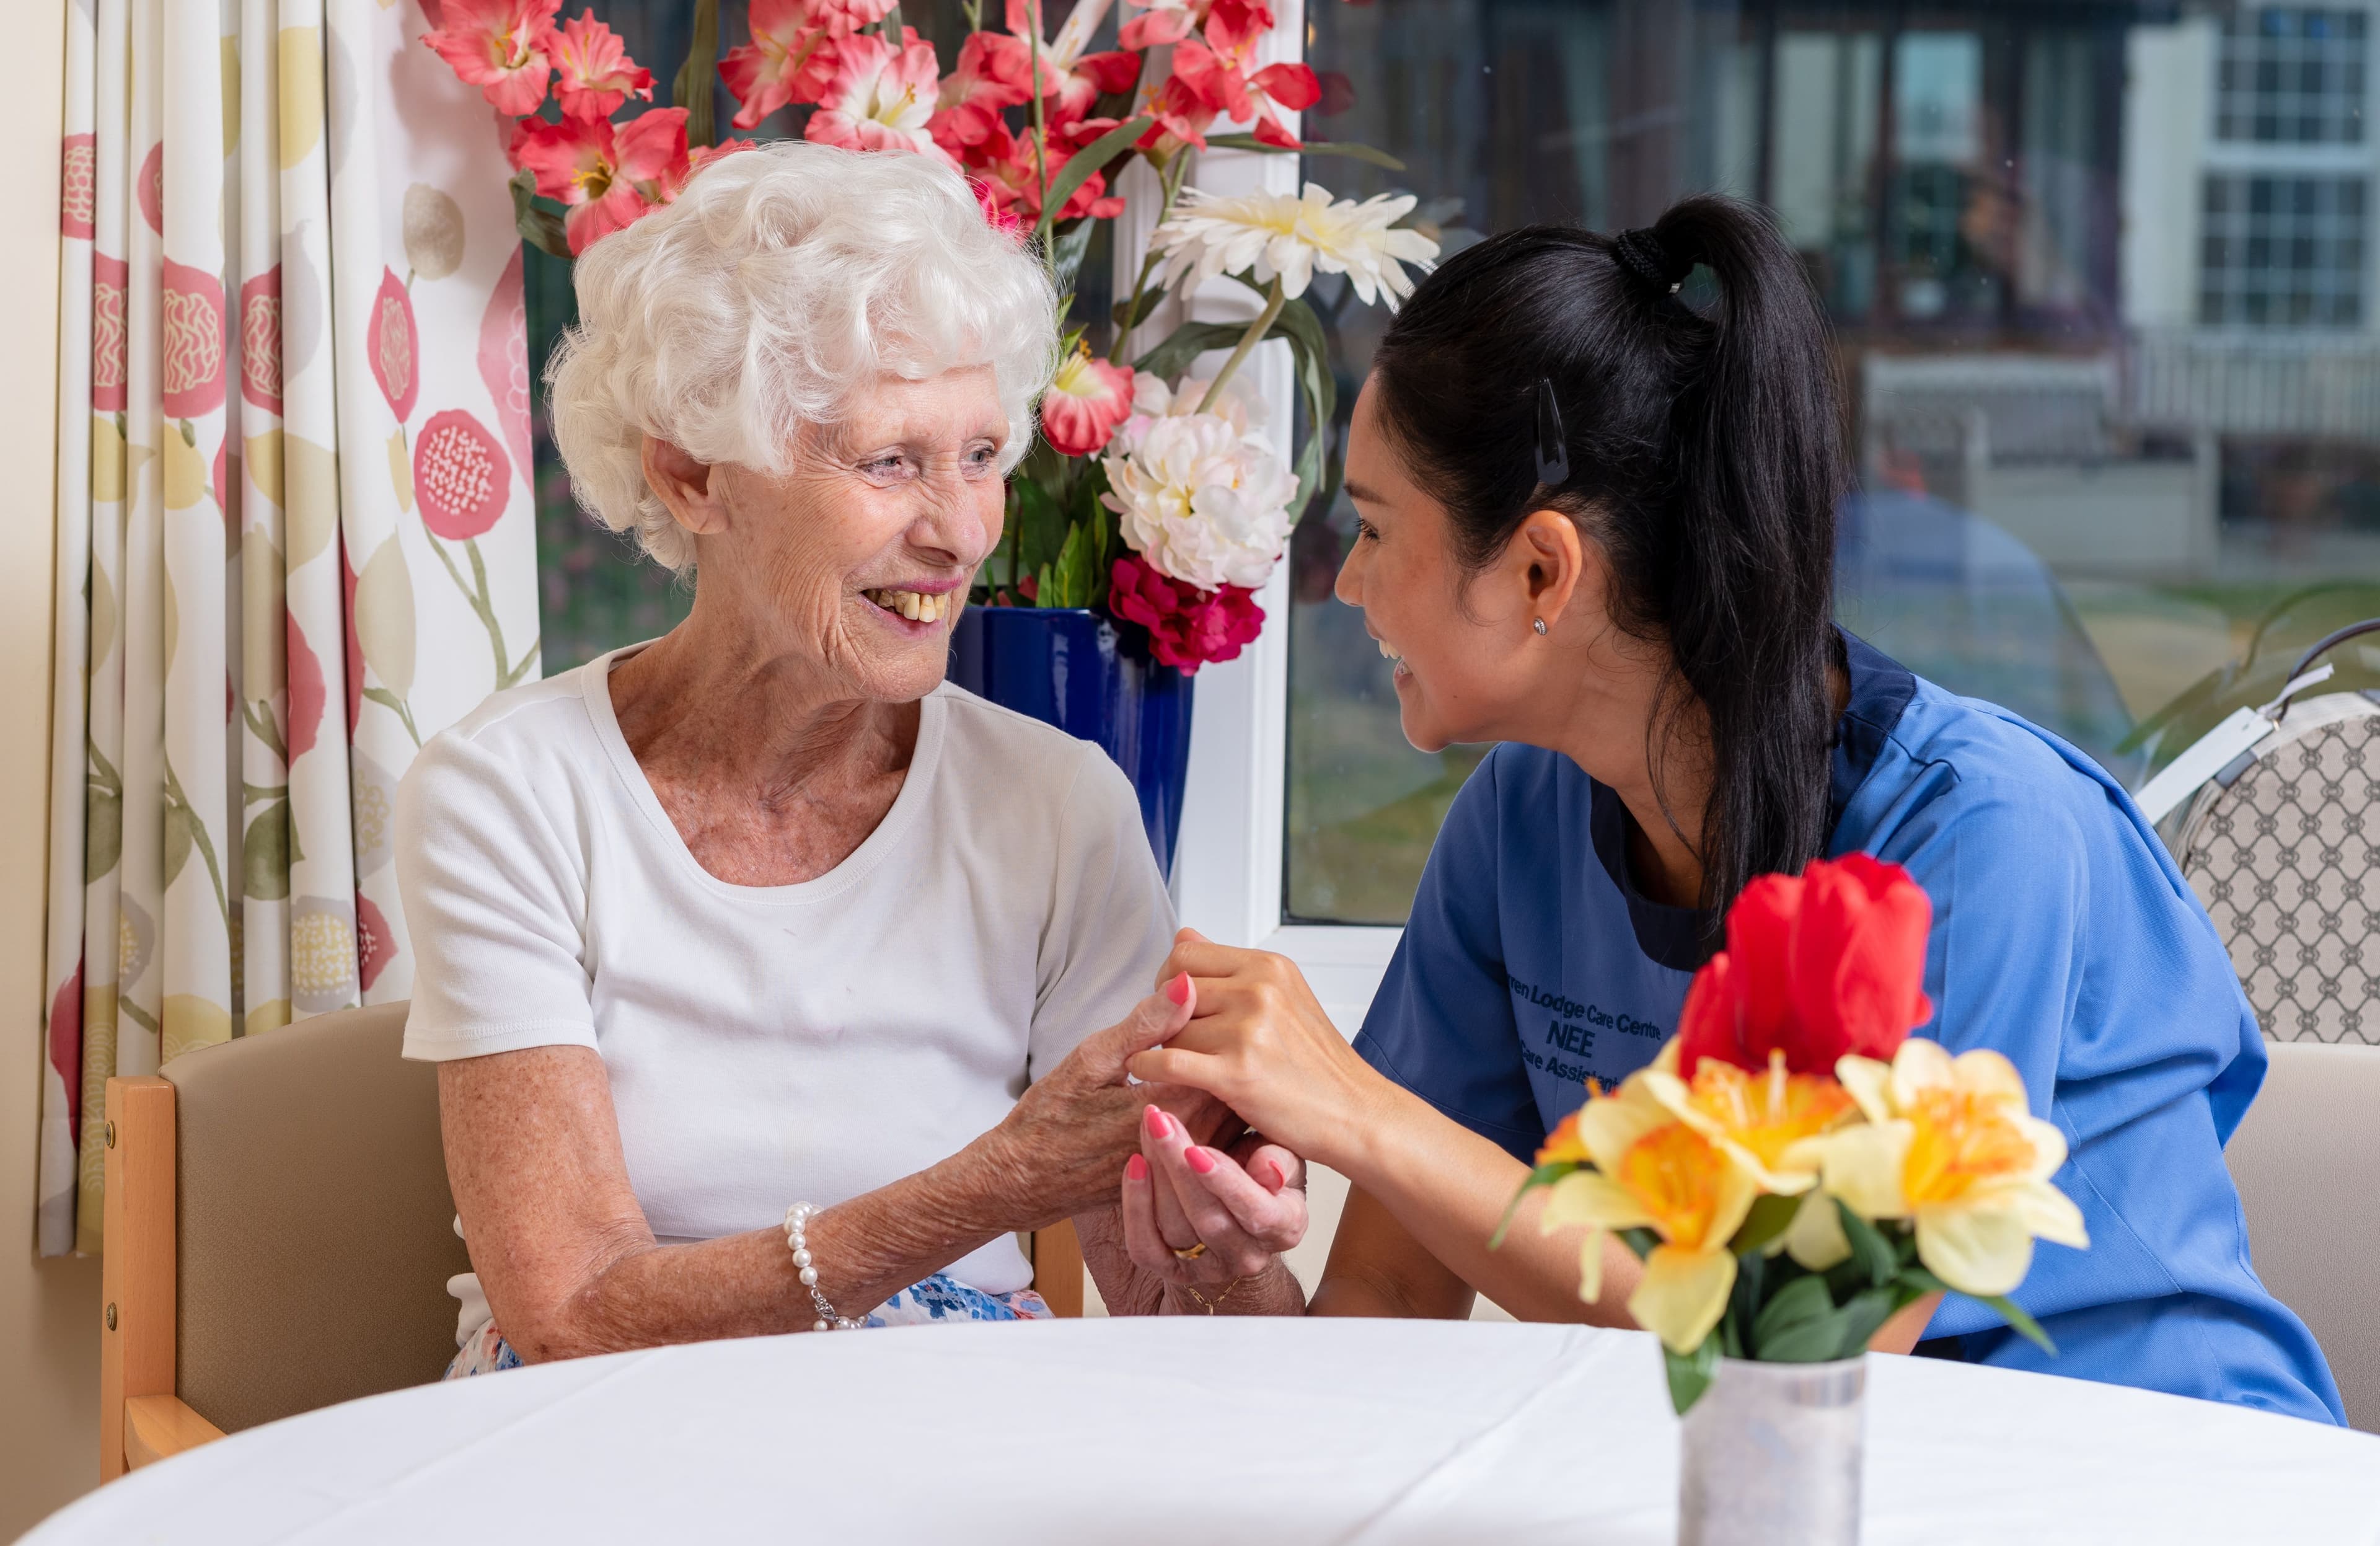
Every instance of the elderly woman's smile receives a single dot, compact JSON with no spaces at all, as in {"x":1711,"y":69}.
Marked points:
{"x":777,"y":983}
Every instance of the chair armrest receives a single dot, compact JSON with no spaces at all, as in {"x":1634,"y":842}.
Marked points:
{"x":161,"y":1427}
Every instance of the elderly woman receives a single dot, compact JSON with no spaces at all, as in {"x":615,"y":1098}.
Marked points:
{"x":765,"y":971}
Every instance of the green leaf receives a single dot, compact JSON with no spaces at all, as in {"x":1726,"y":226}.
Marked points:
{"x":1040,"y":524}
{"x":1068,"y":581}
{"x":1067,"y":247}
{"x":1799,"y":1303}
{"x":541,"y":227}
{"x":1126,"y":322}
{"x":264,"y":854}
{"x":1312,"y":147}
{"x":692,"y":88}
{"x":1690,"y":1373}
{"x":102,"y":839}
{"x":1873,"y":1256}
{"x":1770,"y":1217}
{"x":1752,"y":1279}
{"x":1077,"y":171}
{"x":2026,"y":1326}
{"x":1865,"y":1315}
{"x":1543,"y":1175}
{"x":1185,"y":344}
{"x":1641,"y":1241}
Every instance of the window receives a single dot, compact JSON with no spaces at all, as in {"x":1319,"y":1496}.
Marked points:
{"x":2282,"y":251}
{"x":2103,"y":330}
{"x":2291,"y":76}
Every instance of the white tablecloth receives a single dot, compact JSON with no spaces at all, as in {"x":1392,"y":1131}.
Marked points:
{"x":1199,"y":1432}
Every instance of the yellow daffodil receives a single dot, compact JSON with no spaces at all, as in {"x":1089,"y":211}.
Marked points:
{"x":1950,"y":1145}
{"x":1653,"y":1171}
{"x":1760,"y":1120}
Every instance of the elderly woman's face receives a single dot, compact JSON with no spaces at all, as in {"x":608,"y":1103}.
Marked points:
{"x":861,"y":556}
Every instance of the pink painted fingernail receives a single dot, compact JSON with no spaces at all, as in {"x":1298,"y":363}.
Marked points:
{"x":1200,"y":1161}
{"x":1160,"y":1124}
{"x":1137,"y":1168}
{"x":1179,"y":988}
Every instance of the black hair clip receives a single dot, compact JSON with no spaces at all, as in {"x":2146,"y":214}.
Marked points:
{"x":1553,"y":452}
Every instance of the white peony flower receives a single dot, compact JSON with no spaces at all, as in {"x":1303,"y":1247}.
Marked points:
{"x":1153,"y":398}
{"x":1272,"y":234}
{"x":1202,"y":498}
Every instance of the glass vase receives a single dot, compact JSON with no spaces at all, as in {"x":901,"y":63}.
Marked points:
{"x":1771,"y":1452}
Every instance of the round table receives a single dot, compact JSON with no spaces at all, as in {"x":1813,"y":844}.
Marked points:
{"x":1202,"y":1431}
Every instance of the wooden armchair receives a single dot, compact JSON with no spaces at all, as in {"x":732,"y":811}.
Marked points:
{"x":307,"y":1262}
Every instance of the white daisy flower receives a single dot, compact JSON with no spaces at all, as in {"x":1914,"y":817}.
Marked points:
{"x":1272,"y":234}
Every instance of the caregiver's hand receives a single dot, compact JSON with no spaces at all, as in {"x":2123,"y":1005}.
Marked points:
{"x":1056,"y":1152}
{"x":1206,"y":1221}
{"x":1261,"y":1042}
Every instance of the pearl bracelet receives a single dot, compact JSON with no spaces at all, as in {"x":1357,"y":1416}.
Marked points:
{"x":798,"y":1219}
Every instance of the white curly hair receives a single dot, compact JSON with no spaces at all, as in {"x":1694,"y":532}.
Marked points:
{"x":780,"y":279}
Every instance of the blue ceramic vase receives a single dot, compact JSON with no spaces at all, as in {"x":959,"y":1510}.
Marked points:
{"x":1073,"y":668}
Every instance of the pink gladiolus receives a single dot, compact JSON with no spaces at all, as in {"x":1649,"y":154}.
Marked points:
{"x":792,"y":55}
{"x":1013,"y":176}
{"x":593,"y":73}
{"x":1222,"y":81}
{"x":1162,"y":22}
{"x":607,"y":178}
{"x":995,"y":213}
{"x":879,"y":100}
{"x":498,"y":45}
{"x":1093,"y":76}
{"x":1087,"y":401}
{"x":992,"y":72}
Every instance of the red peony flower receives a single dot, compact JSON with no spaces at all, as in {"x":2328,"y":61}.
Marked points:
{"x":1819,"y":965}
{"x":1187,"y":628}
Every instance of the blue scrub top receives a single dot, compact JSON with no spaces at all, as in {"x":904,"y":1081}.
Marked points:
{"x":2063,"y":937}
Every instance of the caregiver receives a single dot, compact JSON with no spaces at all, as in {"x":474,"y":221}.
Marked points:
{"x":1596,"y":524}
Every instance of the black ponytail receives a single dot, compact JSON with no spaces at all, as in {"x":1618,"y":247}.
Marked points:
{"x":1702,"y":449}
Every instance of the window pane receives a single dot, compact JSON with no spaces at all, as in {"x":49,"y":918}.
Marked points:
{"x":2112,"y":413}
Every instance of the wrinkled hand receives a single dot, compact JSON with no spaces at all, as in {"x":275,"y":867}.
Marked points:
{"x":1259,"y":1041}
{"x":1057,"y":1151}
{"x":1245,"y":1206}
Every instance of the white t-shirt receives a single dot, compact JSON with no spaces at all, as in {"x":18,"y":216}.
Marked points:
{"x":773,"y":1045}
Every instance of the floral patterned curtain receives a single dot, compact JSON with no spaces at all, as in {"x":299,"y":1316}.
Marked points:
{"x":294,"y":535}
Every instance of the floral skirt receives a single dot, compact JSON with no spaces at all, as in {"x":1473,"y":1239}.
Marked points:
{"x":938,"y":1298}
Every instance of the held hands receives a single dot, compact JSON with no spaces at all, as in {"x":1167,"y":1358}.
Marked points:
{"x":1258,"y":1042}
{"x":1057,"y":1151}
{"x":1201,"y":1219}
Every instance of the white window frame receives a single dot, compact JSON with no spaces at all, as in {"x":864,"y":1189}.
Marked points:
{"x":1227,"y":871}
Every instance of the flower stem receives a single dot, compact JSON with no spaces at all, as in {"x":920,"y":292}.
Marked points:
{"x":1168,"y":178}
{"x":1248,"y":341}
{"x":1041,"y":148}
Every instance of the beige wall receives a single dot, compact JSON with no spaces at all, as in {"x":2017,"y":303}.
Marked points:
{"x":49,"y":1311}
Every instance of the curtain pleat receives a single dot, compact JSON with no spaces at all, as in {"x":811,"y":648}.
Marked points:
{"x":291,"y":546}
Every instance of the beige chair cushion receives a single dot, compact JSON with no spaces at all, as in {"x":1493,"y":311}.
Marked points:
{"x":2307,"y":1163}
{"x":315,"y":1231}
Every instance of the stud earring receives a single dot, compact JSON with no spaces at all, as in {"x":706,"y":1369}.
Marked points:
{"x":1538,"y":624}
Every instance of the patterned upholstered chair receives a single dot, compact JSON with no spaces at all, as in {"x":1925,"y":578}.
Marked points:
{"x":2280,"y":845}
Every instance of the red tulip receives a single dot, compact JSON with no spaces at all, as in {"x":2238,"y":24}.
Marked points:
{"x":1828,"y":962}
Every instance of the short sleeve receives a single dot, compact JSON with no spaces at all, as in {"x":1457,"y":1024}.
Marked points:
{"x":1441,"y":1023}
{"x":1110,"y":923}
{"x":495,"y":902}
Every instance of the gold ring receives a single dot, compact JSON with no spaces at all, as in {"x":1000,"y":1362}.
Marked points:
{"x":1192,"y":1254}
